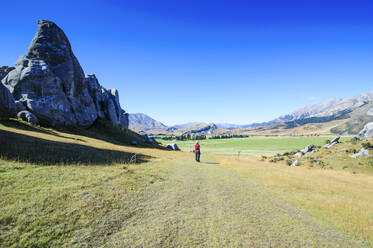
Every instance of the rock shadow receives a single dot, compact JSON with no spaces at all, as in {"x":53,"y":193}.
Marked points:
{"x":25,"y":148}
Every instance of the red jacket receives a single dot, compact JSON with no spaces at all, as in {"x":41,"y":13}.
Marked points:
{"x":196,"y":148}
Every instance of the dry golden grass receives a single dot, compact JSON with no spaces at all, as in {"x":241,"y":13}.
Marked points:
{"x":171,"y":201}
{"x":340,"y":198}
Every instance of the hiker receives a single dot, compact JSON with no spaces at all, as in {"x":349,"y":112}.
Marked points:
{"x":197,"y":150}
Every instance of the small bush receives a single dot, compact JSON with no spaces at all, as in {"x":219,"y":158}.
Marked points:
{"x":327,"y":141}
{"x":289,"y":162}
{"x":354,"y":140}
{"x":367,"y":145}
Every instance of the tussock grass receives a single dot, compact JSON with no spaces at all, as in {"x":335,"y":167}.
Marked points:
{"x":167,"y":200}
{"x":342,"y":199}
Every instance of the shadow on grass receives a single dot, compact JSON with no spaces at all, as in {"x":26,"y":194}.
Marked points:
{"x":24,"y":148}
{"x":28,"y":127}
{"x":101,"y":129}
{"x":211,"y":163}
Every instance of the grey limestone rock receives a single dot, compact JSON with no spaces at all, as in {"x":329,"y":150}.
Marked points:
{"x":366,"y":132}
{"x":173,"y":147}
{"x":307,"y":148}
{"x":7,"y":104}
{"x":28,"y":116}
{"x":50,"y":83}
{"x":362,"y":152}
{"x":296,"y":163}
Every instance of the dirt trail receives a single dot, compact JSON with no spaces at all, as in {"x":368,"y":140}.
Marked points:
{"x":207,"y":205}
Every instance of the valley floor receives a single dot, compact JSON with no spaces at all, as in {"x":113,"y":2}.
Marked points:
{"x":172,"y":201}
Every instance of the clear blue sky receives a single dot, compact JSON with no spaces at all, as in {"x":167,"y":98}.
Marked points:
{"x":212,"y":61}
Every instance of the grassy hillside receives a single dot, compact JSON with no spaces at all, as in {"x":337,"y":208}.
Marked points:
{"x":79,"y":188}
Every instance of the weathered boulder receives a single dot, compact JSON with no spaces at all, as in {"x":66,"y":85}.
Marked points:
{"x":49,"y":82}
{"x":7,"y":104}
{"x":330,"y":144}
{"x":336,"y":139}
{"x":366,"y":132}
{"x":173,"y":147}
{"x":370,"y":112}
{"x":28,"y":116}
{"x":298,"y":154}
{"x":362,"y":152}
{"x":296,"y":163}
{"x":307,"y":148}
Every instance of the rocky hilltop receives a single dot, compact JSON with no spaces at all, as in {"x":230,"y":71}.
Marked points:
{"x":49,"y":86}
{"x":143,"y":122}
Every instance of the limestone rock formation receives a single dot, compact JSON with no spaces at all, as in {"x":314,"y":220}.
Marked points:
{"x":7,"y":104}
{"x":28,"y":116}
{"x":50,"y":83}
{"x":4,"y":70}
{"x":173,"y":147}
{"x":367,"y":131}
{"x":362,"y":152}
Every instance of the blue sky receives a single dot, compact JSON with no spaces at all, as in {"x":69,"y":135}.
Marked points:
{"x":211,"y":61}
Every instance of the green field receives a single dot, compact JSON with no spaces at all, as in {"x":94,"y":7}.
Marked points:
{"x":254,"y":145}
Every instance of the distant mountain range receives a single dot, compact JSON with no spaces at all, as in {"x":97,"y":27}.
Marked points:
{"x":143,"y":122}
{"x":351,"y":110}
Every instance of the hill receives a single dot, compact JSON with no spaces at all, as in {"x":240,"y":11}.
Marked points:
{"x":143,"y":122}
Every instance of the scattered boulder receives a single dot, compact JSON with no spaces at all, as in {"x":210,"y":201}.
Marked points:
{"x":28,"y":116}
{"x":370,"y":112}
{"x":336,"y":139}
{"x":307,"y":149}
{"x":366,"y":132}
{"x":298,"y":154}
{"x":8,"y":107}
{"x":331,"y":144}
{"x":173,"y":147}
{"x":50,"y":83}
{"x":362,"y":152}
{"x":296,"y":163}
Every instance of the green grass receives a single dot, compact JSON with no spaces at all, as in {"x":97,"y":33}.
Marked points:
{"x":252,"y":146}
{"x":75,"y":188}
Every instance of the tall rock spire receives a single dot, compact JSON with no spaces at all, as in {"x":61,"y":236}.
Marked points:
{"x":49,"y":82}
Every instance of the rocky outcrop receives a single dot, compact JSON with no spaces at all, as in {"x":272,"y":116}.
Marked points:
{"x":362,"y":152}
{"x":366,"y":132}
{"x":28,"y":116}
{"x":7,"y":104}
{"x":307,"y":149}
{"x":333,"y":142}
{"x":173,"y":147}
{"x":296,"y":163}
{"x":4,"y":70}
{"x":50,"y":83}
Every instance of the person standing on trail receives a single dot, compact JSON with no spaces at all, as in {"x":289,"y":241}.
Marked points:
{"x":197,"y":150}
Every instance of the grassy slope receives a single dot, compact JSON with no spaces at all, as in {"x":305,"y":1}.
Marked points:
{"x":340,"y":198}
{"x":168,"y":200}
{"x":253,"y":146}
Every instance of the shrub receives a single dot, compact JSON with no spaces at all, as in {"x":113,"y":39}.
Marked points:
{"x":327,"y":141}
{"x":289,"y":162}
{"x":367,"y":145}
{"x":354,"y":140}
